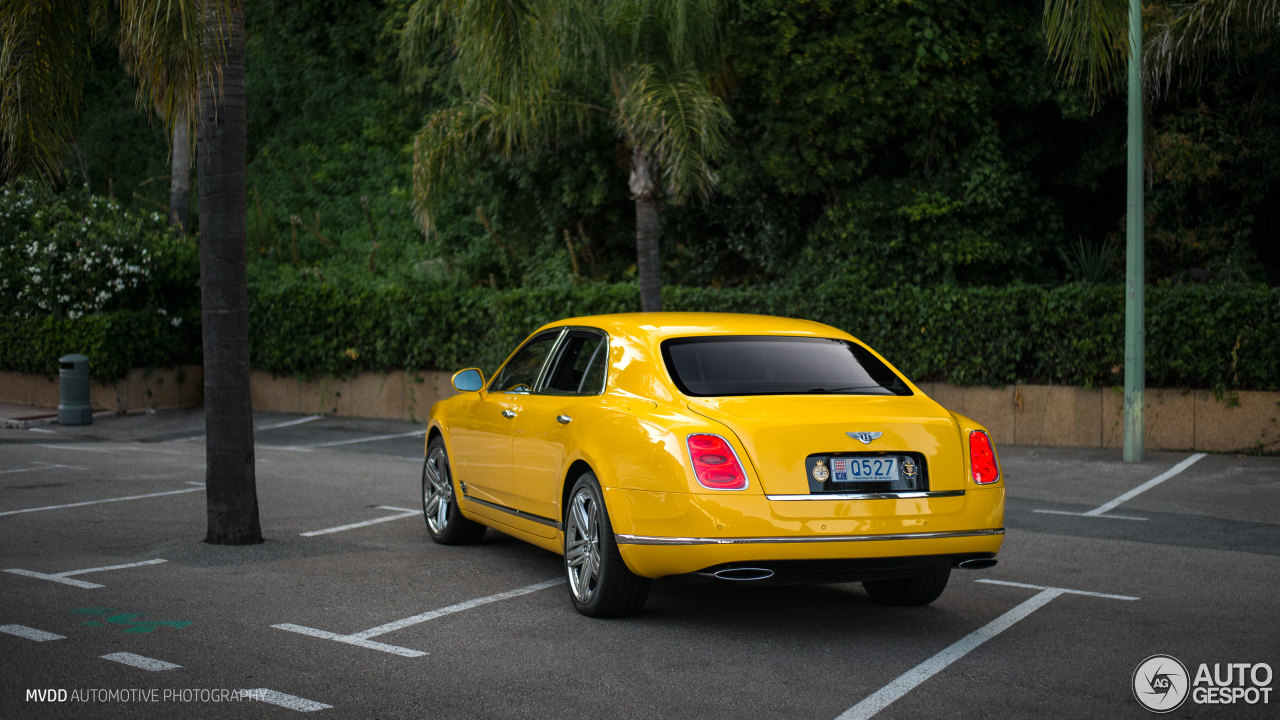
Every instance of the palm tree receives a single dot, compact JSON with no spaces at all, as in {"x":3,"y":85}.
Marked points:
{"x":533,"y":71}
{"x":231,"y":484}
{"x":188,"y":57}
{"x":1088,"y":39}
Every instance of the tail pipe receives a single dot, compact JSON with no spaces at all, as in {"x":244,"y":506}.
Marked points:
{"x":743,"y":574}
{"x":976,"y":563}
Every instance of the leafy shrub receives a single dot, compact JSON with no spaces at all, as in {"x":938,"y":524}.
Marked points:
{"x":75,"y":254}
{"x":79,"y":273}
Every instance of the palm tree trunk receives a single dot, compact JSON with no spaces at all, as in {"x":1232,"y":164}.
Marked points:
{"x":180,"y":177}
{"x":648,"y":231}
{"x":230,"y":485}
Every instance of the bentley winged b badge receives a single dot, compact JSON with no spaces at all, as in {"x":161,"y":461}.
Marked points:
{"x":864,"y":437}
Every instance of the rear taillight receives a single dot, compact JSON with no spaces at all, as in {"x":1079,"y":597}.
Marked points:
{"x":715,"y":464}
{"x":982,"y":458}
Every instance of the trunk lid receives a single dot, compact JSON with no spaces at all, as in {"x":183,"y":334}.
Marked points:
{"x":781,"y":432}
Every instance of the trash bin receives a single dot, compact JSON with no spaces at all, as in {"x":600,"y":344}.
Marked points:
{"x":73,"y":391}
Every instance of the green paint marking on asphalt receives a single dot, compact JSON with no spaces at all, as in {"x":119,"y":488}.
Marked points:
{"x":126,"y":622}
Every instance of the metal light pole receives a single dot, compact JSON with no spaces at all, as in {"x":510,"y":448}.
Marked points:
{"x":1135,"y":261}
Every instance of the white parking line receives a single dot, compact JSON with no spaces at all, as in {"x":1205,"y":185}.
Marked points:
{"x":404,"y":513}
{"x":114,"y":448}
{"x":99,"y":502}
{"x":362,"y":639}
{"x":353,"y":441}
{"x":65,"y":577}
{"x":43,"y":466}
{"x":290,"y":423}
{"x":258,"y":428}
{"x":138,"y":661}
{"x":284,"y":700}
{"x":912,"y":678}
{"x":1068,"y":591}
{"x":1106,"y":507}
{"x":350,"y":640}
{"x":283,"y":448}
{"x":30,"y":633}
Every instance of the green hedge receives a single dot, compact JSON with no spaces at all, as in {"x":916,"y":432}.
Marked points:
{"x":1198,"y":336}
{"x":114,"y":341}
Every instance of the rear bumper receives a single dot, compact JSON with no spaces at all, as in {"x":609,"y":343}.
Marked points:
{"x":662,"y":534}
{"x":783,"y":572}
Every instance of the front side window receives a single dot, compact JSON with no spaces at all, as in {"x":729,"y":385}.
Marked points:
{"x":520,"y":374}
{"x":770,"y":365}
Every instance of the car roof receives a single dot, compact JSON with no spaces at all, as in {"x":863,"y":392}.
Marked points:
{"x":662,"y":325}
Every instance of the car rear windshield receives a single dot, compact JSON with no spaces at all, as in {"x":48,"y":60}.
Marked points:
{"x":766,"y":365}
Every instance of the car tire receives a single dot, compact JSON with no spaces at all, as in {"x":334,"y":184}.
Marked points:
{"x":445,"y":522}
{"x":915,"y":590}
{"x":600,"y":583}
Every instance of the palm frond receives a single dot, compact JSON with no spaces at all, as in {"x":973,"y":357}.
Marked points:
{"x":455,"y":136}
{"x":1089,"y":42}
{"x":1196,"y":34}
{"x":446,"y":138}
{"x":424,"y":24}
{"x":677,"y":119}
{"x":162,"y":44}
{"x":505,"y":49}
{"x":683,"y":33}
{"x":44,"y":54}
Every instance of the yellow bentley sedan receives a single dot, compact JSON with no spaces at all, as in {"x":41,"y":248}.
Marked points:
{"x":741,"y":448}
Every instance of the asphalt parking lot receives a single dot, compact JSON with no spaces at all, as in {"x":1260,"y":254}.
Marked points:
{"x":112,"y":606}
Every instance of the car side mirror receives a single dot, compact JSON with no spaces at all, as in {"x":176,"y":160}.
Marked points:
{"x":469,"y":380}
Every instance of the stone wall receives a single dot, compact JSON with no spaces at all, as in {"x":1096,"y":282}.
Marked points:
{"x":1015,"y":414}
{"x":140,"y":390}
{"x":1076,"y":417}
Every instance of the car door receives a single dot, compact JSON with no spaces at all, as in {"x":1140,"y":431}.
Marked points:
{"x":481,"y":438}
{"x":548,"y":425}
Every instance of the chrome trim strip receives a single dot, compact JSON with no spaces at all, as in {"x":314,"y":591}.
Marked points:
{"x":512,"y":511}
{"x":650,"y":540}
{"x":904,"y":495}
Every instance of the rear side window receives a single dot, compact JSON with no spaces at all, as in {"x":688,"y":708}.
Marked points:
{"x":770,"y":365}
{"x":579,"y":367}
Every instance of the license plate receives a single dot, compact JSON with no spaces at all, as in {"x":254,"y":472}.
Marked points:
{"x":868,"y":469}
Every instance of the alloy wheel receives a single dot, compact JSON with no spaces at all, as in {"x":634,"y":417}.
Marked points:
{"x":582,"y":545}
{"x":437,"y":491}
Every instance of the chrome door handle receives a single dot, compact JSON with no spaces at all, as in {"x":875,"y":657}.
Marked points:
{"x":563,"y":419}
{"x":508,"y":414}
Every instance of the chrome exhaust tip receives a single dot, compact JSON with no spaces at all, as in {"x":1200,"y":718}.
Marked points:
{"x":743,"y":574}
{"x":976,"y":563}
